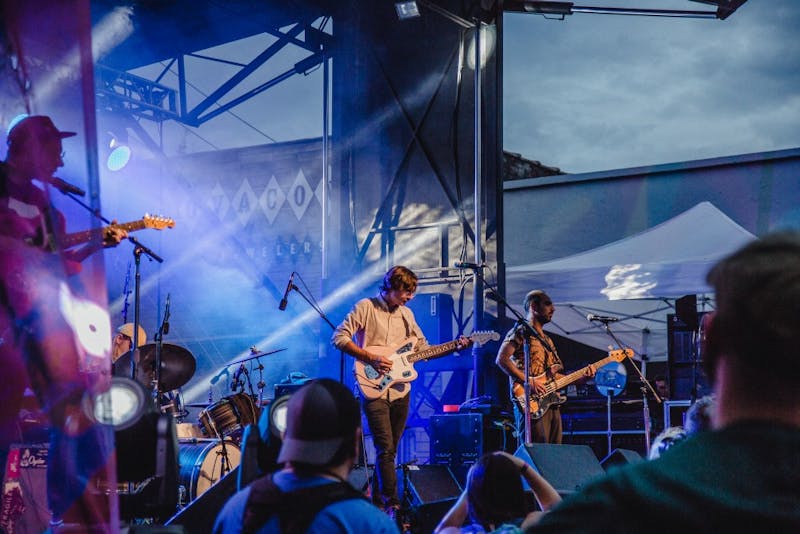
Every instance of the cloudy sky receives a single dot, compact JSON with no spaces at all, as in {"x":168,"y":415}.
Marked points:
{"x":588,"y":93}
{"x":597,"y":92}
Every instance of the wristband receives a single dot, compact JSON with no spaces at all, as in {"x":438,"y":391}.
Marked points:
{"x":523,"y":468}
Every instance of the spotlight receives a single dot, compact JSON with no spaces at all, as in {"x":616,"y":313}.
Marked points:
{"x":147,"y":448}
{"x":261,"y":444}
{"x":123,"y":405}
{"x":277,"y":418}
{"x":406,"y":10}
{"x":120,"y":150}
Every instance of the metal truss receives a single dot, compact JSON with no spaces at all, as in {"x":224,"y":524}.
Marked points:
{"x":151,"y":100}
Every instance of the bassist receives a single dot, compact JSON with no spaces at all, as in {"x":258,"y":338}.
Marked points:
{"x":545,"y":365}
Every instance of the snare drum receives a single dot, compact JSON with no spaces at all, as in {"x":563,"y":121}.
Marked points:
{"x":204,"y":463}
{"x":229,"y":416}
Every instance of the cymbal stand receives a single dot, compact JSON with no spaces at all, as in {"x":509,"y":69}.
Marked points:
{"x":261,"y":384}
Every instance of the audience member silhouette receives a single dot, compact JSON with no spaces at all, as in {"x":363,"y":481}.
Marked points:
{"x":310,"y":493}
{"x":745,"y":472}
{"x":494,"y":500}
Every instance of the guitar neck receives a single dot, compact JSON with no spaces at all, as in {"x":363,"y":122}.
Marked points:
{"x":566,"y":380}
{"x":76,"y":238}
{"x":433,"y":351}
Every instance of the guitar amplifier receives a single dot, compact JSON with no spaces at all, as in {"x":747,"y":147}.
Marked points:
{"x":458,"y":439}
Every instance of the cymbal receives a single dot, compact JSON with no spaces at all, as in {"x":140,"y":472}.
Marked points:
{"x":197,"y":404}
{"x":177,"y":366}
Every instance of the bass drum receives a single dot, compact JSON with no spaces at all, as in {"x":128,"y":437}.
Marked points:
{"x":203,"y":463}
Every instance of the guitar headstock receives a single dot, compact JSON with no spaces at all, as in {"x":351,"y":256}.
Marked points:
{"x":157,"y":222}
{"x":482,"y":336}
{"x":620,"y":354}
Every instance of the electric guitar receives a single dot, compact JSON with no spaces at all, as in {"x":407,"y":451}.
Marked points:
{"x":540,"y":403}
{"x":373,"y":383}
{"x":148,"y":221}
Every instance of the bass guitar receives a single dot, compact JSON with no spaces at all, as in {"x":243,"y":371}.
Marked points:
{"x":373,"y":383}
{"x":540,"y":402}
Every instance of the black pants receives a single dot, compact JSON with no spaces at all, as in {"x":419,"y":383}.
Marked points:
{"x":386,"y":421}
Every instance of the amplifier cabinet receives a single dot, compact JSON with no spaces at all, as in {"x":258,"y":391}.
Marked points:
{"x":458,"y":439}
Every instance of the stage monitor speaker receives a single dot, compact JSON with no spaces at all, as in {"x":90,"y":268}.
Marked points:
{"x":431,"y":491}
{"x":566,"y":467}
{"x":199,"y":515}
{"x":428,"y":483}
{"x":621,"y":457}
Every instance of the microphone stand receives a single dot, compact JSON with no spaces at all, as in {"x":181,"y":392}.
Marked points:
{"x":647,"y":385}
{"x":324,"y":318}
{"x":138,"y":250}
{"x":531,"y":331}
{"x":158,"y":338}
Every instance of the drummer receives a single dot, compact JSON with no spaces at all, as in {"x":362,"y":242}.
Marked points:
{"x":123,"y":340}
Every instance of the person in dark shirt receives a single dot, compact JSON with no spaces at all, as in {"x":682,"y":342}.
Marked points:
{"x":744,"y":473}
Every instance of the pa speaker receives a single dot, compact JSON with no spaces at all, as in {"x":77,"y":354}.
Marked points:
{"x":619,"y":457}
{"x":566,"y":467}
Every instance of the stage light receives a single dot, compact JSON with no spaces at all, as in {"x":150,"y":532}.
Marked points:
{"x":548,"y":8}
{"x":488,"y":41}
{"x":146,"y":444}
{"x":406,"y":10}
{"x":123,"y":405}
{"x":277,"y":417}
{"x":120,"y":153}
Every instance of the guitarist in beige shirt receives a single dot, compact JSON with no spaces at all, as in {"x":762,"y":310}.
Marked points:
{"x":545,"y":367}
{"x":374,"y":330}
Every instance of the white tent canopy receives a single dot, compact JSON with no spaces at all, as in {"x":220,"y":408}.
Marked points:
{"x":635,"y":278}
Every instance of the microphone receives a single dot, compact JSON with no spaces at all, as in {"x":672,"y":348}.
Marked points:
{"x":289,"y":286}
{"x":468,"y":265}
{"x":65,"y":187}
{"x":602,"y":318}
{"x":220,"y":375}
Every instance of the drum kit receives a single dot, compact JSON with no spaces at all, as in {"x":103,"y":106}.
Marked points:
{"x":210,"y":448}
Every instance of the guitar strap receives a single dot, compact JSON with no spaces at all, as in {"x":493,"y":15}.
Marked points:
{"x":403,"y":313}
{"x":547,"y":347}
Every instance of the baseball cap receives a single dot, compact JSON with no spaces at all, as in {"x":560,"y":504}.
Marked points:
{"x":127,"y":330}
{"x":36,"y":127}
{"x":320,"y":416}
